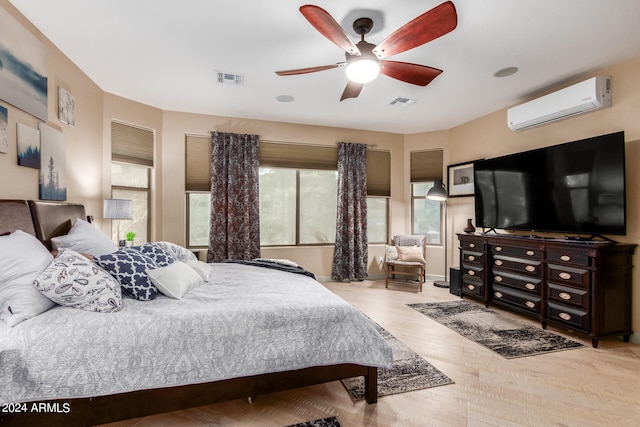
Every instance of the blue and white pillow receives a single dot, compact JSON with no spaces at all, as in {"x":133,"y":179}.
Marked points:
{"x":71,"y":280}
{"x":129,"y":267}
{"x":161,"y":256}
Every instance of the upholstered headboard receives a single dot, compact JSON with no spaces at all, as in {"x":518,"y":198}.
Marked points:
{"x":16,"y":215}
{"x":52,"y":219}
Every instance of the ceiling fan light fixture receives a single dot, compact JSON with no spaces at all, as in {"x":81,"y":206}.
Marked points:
{"x":363,"y":70}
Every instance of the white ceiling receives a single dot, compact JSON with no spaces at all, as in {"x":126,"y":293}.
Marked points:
{"x":164,"y":53}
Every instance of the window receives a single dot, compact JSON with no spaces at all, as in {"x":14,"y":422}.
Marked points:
{"x":132,"y":182}
{"x":131,"y":163}
{"x":377,"y":213}
{"x":427,"y":214}
{"x":198,"y":218}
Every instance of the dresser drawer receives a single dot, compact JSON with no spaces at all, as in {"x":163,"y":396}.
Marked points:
{"x":520,"y":282}
{"x":531,"y":267}
{"x":567,"y":257}
{"x":570,"y":275}
{"x":472,"y":287}
{"x":576,"y":297}
{"x":473,"y":257}
{"x":526,"y":253}
{"x":472,"y":244}
{"x":572,"y":317}
{"x":472,"y":271}
{"x":502,"y":294}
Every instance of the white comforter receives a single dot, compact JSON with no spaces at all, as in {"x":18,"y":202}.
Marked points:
{"x":246,"y":321}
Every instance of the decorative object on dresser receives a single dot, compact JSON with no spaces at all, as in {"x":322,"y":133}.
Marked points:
{"x":469,"y":228}
{"x":509,"y":338}
{"x":581,"y":285}
{"x":409,"y":372}
{"x":439,"y":193}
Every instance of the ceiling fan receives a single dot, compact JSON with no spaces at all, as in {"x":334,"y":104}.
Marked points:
{"x":365,"y":61}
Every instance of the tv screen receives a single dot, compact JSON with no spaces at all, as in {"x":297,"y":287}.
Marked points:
{"x":576,"y":187}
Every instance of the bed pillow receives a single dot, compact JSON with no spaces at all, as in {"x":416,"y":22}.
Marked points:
{"x":85,"y":237}
{"x":411,"y":254}
{"x":178,"y":252}
{"x":161,"y":256}
{"x":71,"y":280}
{"x":129,"y":267}
{"x":202,"y":268}
{"x":175,"y":280}
{"x":22,"y":259}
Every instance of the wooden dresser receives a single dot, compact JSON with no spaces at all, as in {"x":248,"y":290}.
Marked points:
{"x":583,"y":286}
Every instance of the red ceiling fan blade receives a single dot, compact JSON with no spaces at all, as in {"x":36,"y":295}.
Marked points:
{"x":415,"y":74}
{"x":328,"y":27}
{"x":352,"y":90}
{"x":426,"y":27}
{"x":308,"y":69}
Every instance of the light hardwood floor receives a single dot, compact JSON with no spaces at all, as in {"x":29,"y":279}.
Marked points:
{"x":581,"y":387}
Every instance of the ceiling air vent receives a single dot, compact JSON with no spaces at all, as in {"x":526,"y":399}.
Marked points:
{"x":402,"y":102}
{"x":229,"y":78}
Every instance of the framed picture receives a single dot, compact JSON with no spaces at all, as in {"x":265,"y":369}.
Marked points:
{"x":53,"y":164}
{"x":460,"y":179}
{"x":4,"y":131}
{"x":66,"y":107}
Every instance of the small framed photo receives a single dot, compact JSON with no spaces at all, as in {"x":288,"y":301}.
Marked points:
{"x":66,"y":107}
{"x":460,"y":179}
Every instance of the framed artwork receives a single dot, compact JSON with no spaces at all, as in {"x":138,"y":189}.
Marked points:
{"x":23,"y":80}
{"x":28,"y":146}
{"x":65,"y":106}
{"x":460,"y":179}
{"x":4,"y":133}
{"x":53,"y":164}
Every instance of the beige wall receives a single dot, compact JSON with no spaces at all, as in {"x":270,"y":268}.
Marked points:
{"x":88,"y":155}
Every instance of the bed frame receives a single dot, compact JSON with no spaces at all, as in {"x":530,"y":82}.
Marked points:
{"x":49,"y":219}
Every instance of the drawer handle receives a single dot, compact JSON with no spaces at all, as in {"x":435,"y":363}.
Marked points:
{"x":498,"y":249}
{"x":498,"y":262}
{"x":472,"y":245}
{"x":530,"y":304}
{"x":530,"y":286}
{"x":498,"y":294}
{"x":471,"y":273}
{"x":471,"y":258}
{"x":530,"y":268}
{"x":471,"y":287}
{"x":498,"y":278}
{"x":564,"y":316}
{"x":565,"y":276}
{"x":564,"y":296}
{"x":531,"y":253}
{"x":565,"y":258}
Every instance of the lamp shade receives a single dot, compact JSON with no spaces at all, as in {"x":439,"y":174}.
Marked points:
{"x":118,"y":209}
{"x":437,"y":192}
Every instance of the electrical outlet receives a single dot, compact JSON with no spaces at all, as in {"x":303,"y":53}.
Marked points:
{"x":380,"y":261}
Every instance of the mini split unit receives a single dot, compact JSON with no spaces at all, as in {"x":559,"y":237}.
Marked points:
{"x":589,"y":95}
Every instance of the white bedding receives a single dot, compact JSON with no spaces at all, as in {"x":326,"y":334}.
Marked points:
{"x":245,"y":321}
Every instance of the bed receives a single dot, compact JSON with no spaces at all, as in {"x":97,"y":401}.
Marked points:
{"x":247,"y":331}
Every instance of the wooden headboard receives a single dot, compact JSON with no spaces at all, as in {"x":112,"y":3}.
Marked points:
{"x":52,"y":219}
{"x":16,"y":215}
{"x":41,"y":219}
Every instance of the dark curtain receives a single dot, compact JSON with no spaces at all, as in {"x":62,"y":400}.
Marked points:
{"x":235,"y":221}
{"x":351,"y":252}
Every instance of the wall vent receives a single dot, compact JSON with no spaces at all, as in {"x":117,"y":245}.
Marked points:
{"x":232,"y":79}
{"x":402,"y":102}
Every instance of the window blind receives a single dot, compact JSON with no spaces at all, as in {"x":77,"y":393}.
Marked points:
{"x":198,"y":163}
{"x":378,"y":173}
{"x":131,"y":144}
{"x":426,"y":165}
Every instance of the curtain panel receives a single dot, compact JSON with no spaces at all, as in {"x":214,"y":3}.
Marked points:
{"x":235,"y":220}
{"x":351,"y":252}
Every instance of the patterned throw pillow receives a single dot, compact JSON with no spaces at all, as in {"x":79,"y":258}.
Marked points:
{"x":178,"y":252}
{"x":71,"y":280}
{"x":411,"y":254}
{"x":161,"y":256}
{"x":129,"y":267}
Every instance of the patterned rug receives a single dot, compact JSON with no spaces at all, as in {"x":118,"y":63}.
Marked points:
{"x":507,"y":337}
{"x":409,"y":372}
{"x":322,"y":422}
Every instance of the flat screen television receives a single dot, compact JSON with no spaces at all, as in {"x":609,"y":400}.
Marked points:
{"x":572,"y":188}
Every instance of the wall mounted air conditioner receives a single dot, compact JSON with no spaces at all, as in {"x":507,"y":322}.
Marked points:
{"x":589,"y":95}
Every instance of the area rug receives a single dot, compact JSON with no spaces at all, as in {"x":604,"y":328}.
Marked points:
{"x":322,"y":422}
{"x":507,"y":337}
{"x":409,"y":372}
